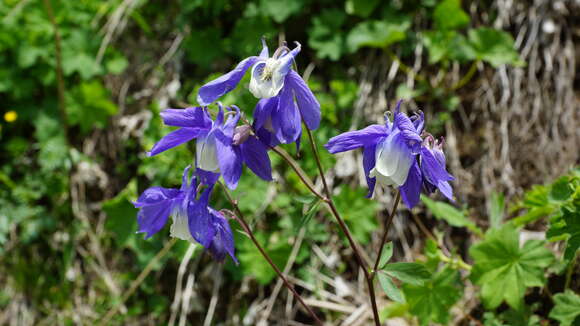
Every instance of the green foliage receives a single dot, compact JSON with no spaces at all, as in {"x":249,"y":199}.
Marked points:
{"x":449,"y":214}
{"x":445,"y":45}
{"x":324,"y":35}
{"x":90,"y":106}
{"x":121,"y":214}
{"x":560,"y":201}
{"x":496,"y":210}
{"x":358,"y":212}
{"x":376,"y":34}
{"x":432,"y":300}
{"x":386,"y":254}
{"x":504,"y":270}
{"x":449,"y":15}
{"x":568,"y":226}
{"x":566,"y":308}
{"x":494,"y":46}
{"x":280,"y":10}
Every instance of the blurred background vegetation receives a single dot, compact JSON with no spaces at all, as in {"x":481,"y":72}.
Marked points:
{"x":496,"y":78}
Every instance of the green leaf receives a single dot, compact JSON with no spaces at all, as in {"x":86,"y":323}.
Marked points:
{"x":561,"y":189}
{"x":325,"y":37}
{"x":496,"y":210}
{"x":121,"y":214}
{"x":566,"y":309}
{"x":359,"y":213}
{"x":375,"y":34}
{"x":569,"y":227}
{"x":204,"y":46}
{"x":446,"y":45}
{"x":308,"y":216}
{"x":362,"y":8}
{"x":433,"y":300}
{"x":449,"y":15}
{"x":412,"y":273}
{"x":494,"y":46}
{"x":391,"y":290}
{"x":504,"y":270}
{"x":280,"y":10}
{"x":386,"y":254}
{"x":450,"y":214}
{"x":404,"y":92}
{"x":90,"y":106}
{"x":117,"y":65}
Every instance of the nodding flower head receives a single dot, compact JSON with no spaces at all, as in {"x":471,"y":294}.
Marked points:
{"x":285,"y":99}
{"x":394,"y":154}
{"x":268,"y":74}
{"x":222,"y":147}
{"x":193,"y":219}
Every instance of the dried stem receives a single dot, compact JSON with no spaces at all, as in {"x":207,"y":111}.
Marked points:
{"x":138,"y":281}
{"x":240,"y":218}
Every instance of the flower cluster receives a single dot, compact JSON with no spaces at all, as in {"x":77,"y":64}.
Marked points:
{"x":399,"y":154}
{"x":223,"y":146}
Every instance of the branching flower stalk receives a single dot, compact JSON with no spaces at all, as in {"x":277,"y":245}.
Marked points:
{"x":399,"y":154}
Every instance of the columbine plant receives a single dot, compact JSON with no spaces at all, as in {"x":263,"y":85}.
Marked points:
{"x":399,"y":154}
{"x":395,"y":155}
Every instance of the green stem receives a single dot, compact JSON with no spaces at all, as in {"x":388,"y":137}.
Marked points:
{"x":463,"y":81}
{"x":570,"y":271}
{"x":138,"y":281}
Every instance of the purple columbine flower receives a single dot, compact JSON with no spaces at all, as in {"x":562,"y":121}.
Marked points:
{"x":285,"y":97}
{"x":391,"y":153}
{"x":193,"y":219}
{"x":221,"y":147}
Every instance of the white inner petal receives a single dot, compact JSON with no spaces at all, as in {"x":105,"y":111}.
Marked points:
{"x":392,"y":163}
{"x":206,"y":153}
{"x":180,"y":227}
{"x":266,"y":78}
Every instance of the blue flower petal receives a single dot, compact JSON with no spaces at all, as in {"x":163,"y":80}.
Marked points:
{"x":195,"y":117}
{"x":369,"y":158}
{"x":200,"y":220}
{"x":286,"y":118}
{"x":255,"y":155}
{"x":307,"y":103}
{"x":223,"y":241}
{"x":350,"y":140}
{"x":156,"y":204}
{"x":229,"y":160}
{"x":176,"y":138}
{"x":225,"y":83}
{"x":411,"y":189}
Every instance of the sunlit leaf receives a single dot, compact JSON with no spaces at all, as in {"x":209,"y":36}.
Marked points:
{"x":448,"y":15}
{"x":494,"y":46}
{"x":376,"y":34}
{"x":566,"y":308}
{"x":391,"y":290}
{"x":504,"y":270}
{"x":433,"y":300}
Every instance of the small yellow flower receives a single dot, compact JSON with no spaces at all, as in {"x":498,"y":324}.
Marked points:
{"x":10,"y":116}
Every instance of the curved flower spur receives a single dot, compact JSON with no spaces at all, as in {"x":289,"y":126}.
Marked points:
{"x":285,"y":99}
{"x":396,"y":155}
{"x":222,"y":147}
{"x":193,"y":219}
